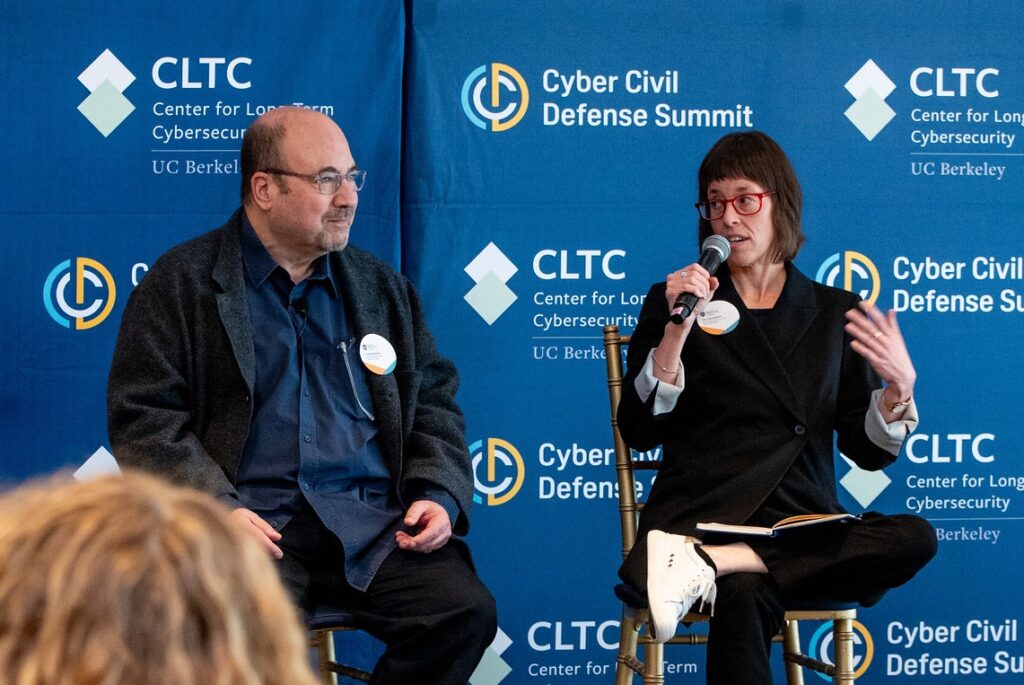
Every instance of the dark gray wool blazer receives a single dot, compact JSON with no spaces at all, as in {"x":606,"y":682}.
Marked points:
{"x":179,"y":395}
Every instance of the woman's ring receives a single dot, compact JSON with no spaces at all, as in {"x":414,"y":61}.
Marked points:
{"x":878,"y":334}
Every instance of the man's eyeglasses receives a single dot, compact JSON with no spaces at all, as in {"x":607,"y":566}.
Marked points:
{"x":327,"y":182}
{"x":745,"y":204}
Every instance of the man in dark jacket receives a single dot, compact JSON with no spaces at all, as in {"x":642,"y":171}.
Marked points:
{"x":294,"y":377}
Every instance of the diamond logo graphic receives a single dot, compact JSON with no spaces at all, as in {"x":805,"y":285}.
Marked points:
{"x":492,"y":669}
{"x":870,"y":113}
{"x":100,"y":463}
{"x":106,"y":106}
{"x":864,"y":486}
{"x":490,"y":270}
{"x":870,"y":77}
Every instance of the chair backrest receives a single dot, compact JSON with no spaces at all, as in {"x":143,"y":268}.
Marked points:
{"x":625,"y":466}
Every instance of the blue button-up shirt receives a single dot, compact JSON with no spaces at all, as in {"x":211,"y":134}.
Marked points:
{"x":313,"y":431}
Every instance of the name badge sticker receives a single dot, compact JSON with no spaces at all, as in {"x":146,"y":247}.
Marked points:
{"x":719,"y":317}
{"x":377,"y":354}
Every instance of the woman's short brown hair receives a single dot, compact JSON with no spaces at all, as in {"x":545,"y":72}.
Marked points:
{"x":131,"y":581}
{"x":754,"y":156}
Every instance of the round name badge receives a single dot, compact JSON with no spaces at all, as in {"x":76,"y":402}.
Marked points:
{"x":377,"y":354}
{"x":719,"y":317}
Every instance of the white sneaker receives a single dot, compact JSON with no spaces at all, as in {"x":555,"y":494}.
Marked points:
{"x":677,"y":577}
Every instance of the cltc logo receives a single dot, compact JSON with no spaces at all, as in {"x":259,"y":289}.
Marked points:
{"x":498,"y":488}
{"x":821,"y":648}
{"x":855,"y":269}
{"x":106,"y":107}
{"x":503,"y":84}
{"x":490,"y":270}
{"x":89,"y":277}
{"x":864,"y":486}
{"x":870,"y":113}
{"x":492,"y":669}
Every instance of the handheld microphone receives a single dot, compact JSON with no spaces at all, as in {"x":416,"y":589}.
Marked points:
{"x":713,"y":252}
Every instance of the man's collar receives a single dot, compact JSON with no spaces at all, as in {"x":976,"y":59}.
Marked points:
{"x":323,"y":269}
{"x":258,"y":262}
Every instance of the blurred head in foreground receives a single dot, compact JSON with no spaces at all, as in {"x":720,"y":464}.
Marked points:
{"x":131,"y":580}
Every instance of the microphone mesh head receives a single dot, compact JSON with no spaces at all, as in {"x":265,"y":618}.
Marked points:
{"x":718,"y":243}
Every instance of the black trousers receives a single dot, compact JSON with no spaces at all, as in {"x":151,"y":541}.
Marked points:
{"x":855,"y":562}
{"x":431,"y":610}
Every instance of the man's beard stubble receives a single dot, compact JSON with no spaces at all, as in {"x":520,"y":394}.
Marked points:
{"x":327,"y":239}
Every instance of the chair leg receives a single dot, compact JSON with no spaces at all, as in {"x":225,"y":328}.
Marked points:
{"x":325,"y":652}
{"x":842,"y":636}
{"x":791,"y":645}
{"x":654,"y":663}
{"x":628,"y":634}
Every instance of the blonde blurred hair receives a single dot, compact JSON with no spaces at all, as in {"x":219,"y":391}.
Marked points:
{"x":132,"y":581}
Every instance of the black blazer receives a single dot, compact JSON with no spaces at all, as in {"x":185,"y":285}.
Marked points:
{"x":750,"y":409}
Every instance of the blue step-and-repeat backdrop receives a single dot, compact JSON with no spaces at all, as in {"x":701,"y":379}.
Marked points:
{"x":532,"y":168}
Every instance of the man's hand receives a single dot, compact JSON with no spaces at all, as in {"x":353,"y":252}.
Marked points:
{"x":431,"y":523}
{"x":251,"y":524}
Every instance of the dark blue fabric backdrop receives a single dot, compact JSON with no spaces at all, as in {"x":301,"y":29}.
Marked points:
{"x":532,"y":169}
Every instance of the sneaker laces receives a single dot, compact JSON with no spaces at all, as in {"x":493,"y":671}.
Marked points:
{"x":702,"y":588}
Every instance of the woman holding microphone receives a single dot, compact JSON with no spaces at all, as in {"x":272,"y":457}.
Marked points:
{"x":746,"y":395}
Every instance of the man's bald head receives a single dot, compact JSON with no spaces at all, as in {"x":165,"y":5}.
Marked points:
{"x":261,"y":145}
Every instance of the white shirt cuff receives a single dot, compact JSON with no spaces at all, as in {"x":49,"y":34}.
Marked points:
{"x":889,"y":436}
{"x":666,"y":394}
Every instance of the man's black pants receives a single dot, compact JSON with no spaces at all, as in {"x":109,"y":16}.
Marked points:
{"x":431,"y":610}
